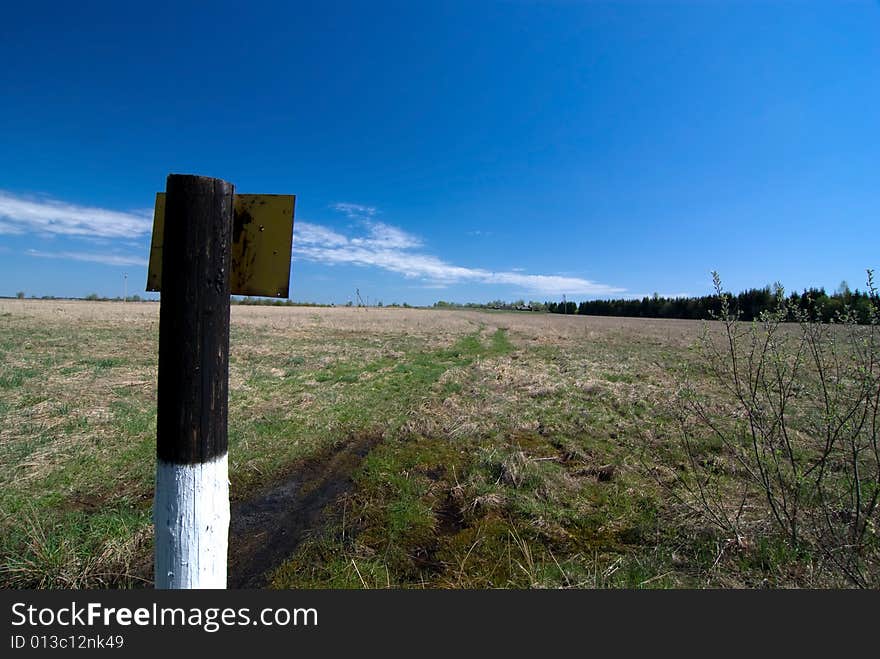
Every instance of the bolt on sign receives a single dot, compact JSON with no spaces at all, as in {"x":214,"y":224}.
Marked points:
{"x":262,"y":238}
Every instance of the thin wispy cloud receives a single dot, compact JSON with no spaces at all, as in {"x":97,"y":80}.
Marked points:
{"x":91,"y":257}
{"x":48,"y":217}
{"x":355,"y":211}
{"x":390,"y":248}
{"x":10,"y":229}
{"x":375,"y":244}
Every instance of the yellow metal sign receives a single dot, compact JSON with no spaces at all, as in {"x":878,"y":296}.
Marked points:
{"x":262,"y":237}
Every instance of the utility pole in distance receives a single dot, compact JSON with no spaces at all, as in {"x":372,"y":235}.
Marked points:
{"x":191,"y":505}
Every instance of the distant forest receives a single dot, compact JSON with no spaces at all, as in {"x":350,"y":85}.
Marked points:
{"x":748,"y":304}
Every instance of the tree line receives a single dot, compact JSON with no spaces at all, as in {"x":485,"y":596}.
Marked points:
{"x":748,"y":304}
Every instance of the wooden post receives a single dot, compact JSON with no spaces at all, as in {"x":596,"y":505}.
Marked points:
{"x":191,"y":506}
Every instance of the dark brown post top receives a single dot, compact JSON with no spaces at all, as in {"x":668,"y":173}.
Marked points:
{"x":194,"y":320}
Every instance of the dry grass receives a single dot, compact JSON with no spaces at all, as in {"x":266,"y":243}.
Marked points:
{"x":497,"y":429}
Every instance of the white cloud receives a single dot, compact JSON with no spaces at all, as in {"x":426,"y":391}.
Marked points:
{"x":354,"y":211}
{"x":380,"y":245}
{"x":384,"y":236}
{"x":92,"y":257}
{"x":314,"y":234}
{"x":10,"y":229}
{"x":431,"y":286}
{"x":48,"y":217}
{"x":393,"y":249}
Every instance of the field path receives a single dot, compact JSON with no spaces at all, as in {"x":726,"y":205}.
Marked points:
{"x":266,"y":530}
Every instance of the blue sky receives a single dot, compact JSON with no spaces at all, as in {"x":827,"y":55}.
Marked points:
{"x":461,"y":151}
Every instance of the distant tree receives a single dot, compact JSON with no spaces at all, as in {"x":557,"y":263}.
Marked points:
{"x":20,"y":295}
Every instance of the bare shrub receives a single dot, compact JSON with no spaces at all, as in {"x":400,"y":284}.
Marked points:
{"x":787,"y":439}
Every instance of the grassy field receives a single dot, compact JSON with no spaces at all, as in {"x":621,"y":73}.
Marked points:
{"x":480,"y":450}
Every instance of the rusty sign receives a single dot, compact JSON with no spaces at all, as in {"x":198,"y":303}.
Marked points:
{"x":262,"y":237}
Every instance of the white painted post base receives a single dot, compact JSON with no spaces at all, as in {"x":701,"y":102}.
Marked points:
{"x":191,"y":520}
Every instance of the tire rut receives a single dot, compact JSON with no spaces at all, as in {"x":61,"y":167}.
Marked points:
{"x":264,"y":531}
